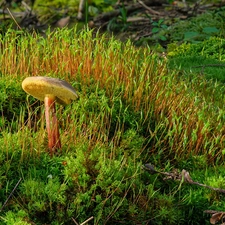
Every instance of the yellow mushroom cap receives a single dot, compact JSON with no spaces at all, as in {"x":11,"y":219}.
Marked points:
{"x":40,"y":87}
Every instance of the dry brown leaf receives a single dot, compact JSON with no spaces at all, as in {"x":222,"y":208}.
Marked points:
{"x":216,"y":217}
{"x":63,"y":22}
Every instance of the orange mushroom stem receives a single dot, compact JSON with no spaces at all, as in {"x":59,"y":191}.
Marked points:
{"x":52,"y":127}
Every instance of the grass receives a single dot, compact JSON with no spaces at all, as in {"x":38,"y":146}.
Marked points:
{"x":132,"y":110}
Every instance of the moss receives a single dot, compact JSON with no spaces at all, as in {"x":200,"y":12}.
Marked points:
{"x":205,"y":58}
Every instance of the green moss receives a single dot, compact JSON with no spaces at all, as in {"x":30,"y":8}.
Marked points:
{"x":212,"y":48}
{"x":205,"y":58}
{"x":18,"y":218}
{"x":11,"y":94}
{"x":131,"y":111}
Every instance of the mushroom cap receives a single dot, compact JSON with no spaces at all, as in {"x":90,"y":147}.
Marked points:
{"x":41,"y":87}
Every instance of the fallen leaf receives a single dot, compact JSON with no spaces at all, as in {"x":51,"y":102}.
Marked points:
{"x":63,"y":22}
{"x":216,"y":217}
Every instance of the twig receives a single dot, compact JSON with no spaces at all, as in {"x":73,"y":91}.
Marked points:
{"x":137,"y":19}
{"x":212,"y":211}
{"x":75,"y":221}
{"x":129,"y":9}
{"x":15,"y":14}
{"x":84,"y":221}
{"x":196,"y":6}
{"x":108,"y":15}
{"x":87,"y":220}
{"x":80,"y":9}
{"x":184,"y":175}
{"x":27,"y":7}
{"x":13,"y":18}
{"x":10,"y":194}
{"x":148,"y":8}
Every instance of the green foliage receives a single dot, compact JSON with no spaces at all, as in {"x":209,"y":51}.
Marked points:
{"x":119,"y":23}
{"x":199,"y":28}
{"x":191,"y":30}
{"x":206,"y":32}
{"x":157,"y":27}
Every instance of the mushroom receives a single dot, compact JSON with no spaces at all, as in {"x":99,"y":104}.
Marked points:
{"x":50,"y":90}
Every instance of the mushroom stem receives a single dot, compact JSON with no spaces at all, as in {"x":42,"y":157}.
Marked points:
{"x":54,"y":142}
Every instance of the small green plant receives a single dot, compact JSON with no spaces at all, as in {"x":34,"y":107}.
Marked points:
{"x":120,"y":23}
{"x":205,"y":33}
{"x":158,"y":35}
{"x":198,"y":28}
{"x":159,"y":26}
{"x":123,"y":16}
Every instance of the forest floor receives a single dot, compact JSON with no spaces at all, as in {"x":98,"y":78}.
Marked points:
{"x":137,"y":21}
{"x":143,"y":20}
